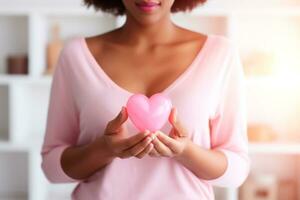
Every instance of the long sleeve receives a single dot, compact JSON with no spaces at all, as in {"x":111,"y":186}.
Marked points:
{"x":62,"y":123}
{"x":229,"y":124}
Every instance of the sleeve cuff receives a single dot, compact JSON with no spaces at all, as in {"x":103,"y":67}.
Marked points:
{"x":238,"y":166}
{"x":52,"y":168}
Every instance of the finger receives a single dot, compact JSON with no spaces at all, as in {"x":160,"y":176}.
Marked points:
{"x":173,"y":134}
{"x":176,"y":123}
{"x":138,"y":148}
{"x":145,"y":151}
{"x":115,"y":124}
{"x":172,"y":116}
{"x":161,"y":148}
{"x":168,"y":141}
{"x":153,"y":152}
{"x":133,"y":140}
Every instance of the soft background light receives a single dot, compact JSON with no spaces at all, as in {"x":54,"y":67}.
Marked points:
{"x":267,"y":34}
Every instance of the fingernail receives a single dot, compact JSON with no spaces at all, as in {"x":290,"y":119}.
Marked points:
{"x":121,"y":112}
{"x":153,"y":136}
{"x":175,"y":116}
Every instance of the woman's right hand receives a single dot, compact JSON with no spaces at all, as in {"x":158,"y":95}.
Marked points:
{"x":120,"y":145}
{"x":80,"y":162}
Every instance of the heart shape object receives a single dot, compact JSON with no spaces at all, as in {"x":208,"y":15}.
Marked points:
{"x":149,"y":113}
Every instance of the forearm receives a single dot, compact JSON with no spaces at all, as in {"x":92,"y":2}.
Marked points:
{"x":205,"y":164}
{"x":81,"y":162}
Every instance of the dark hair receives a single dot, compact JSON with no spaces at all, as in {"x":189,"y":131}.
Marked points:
{"x":116,"y":7}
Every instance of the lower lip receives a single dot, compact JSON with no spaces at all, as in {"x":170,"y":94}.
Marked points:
{"x":147,"y":8}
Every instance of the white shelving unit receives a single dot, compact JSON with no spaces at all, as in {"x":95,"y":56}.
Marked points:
{"x":271,"y":148}
{"x":24,"y":98}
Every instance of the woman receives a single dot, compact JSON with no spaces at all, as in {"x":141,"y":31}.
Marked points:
{"x":90,"y":141}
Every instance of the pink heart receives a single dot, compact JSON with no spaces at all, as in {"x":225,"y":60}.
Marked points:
{"x":148,"y":113}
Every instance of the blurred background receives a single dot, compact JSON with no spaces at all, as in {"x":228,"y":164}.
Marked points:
{"x":267,"y":32}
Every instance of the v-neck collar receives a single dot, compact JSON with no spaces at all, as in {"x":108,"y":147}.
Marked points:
{"x":167,"y":90}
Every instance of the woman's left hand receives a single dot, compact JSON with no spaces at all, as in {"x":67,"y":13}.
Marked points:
{"x":174,"y":144}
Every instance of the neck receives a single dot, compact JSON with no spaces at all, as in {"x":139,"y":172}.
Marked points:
{"x":137,"y":34}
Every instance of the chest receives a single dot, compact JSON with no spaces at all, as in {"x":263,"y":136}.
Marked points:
{"x":147,"y":72}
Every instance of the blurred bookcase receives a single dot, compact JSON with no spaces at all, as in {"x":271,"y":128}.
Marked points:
{"x":24,"y":99}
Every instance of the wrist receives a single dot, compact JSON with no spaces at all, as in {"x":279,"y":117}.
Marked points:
{"x":185,"y":152}
{"x":100,"y":150}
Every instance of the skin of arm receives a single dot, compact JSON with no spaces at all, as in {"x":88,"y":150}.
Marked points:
{"x":81,"y":162}
{"x":204,"y":163}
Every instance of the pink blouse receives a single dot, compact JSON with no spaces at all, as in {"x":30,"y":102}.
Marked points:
{"x":209,"y":96}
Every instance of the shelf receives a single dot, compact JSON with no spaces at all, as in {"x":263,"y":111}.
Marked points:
{"x":50,"y":10}
{"x":76,"y":25}
{"x":23,"y":79}
{"x":4,"y":112}
{"x":267,"y":81}
{"x":28,"y":110}
{"x":16,"y":147}
{"x":274,"y":148}
{"x":208,"y":24}
{"x":14,"y":173}
{"x":250,"y":11}
{"x":8,"y":147}
{"x":14,"y":198}
{"x":17,"y":28}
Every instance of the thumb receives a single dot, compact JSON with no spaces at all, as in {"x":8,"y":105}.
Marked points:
{"x":117,"y":122}
{"x":173,"y":117}
{"x":178,"y":129}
